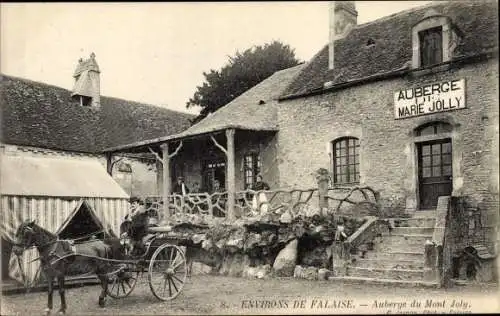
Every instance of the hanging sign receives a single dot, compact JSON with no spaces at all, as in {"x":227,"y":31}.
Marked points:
{"x":430,"y":98}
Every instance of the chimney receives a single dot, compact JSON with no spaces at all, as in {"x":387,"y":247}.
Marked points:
{"x":343,"y":16}
{"x":87,"y":89}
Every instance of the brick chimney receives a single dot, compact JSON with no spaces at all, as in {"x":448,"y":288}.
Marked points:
{"x":343,"y":17}
{"x":87,"y":89}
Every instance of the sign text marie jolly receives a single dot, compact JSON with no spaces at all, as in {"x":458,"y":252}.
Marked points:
{"x":430,"y":98}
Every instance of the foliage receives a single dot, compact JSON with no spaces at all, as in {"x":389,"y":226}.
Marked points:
{"x":243,"y":71}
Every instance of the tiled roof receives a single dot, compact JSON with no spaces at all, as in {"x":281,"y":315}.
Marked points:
{"x":255,"y":109}
{"x":41,"y":115}
{"x":355,"y":60}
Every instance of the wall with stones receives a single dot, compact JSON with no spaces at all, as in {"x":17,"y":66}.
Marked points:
{"x":387,"y":146}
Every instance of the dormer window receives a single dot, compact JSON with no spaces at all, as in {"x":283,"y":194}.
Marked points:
{"x":86,"y":90}
{"x":431,"y":46}
{"x":85,"y":101}
{"x":434,"y":40}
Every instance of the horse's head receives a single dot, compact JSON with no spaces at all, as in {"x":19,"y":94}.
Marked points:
{"x":24,"y":237}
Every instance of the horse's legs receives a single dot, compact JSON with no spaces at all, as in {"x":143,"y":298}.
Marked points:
{"x":62,"y":294}
{"x":49,"y":294}
{"x":104,"y":291}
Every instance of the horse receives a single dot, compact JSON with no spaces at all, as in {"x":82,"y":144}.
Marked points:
{"x":58,"y":256}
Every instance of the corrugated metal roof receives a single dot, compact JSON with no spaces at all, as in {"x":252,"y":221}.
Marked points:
{"x":57,"y":177}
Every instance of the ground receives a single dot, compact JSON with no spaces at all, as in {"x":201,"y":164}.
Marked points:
{"x":207,"y":294}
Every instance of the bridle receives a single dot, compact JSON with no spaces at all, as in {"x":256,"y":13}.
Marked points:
{"x":28,"y":244}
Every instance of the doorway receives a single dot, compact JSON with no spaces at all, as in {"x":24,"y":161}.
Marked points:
{"x":435,"y":172}
{"x":214,"y":169}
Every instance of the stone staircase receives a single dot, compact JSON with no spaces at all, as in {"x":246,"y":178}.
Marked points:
{"x":395,"y":257}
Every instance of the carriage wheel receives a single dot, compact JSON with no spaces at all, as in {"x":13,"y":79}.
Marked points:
{"x":123,"y":283}
{"x":167,"y":272}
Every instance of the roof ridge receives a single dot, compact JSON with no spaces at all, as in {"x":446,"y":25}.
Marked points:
{"x":33,"y":81}
{"x":102,"y":96}
{"x":403,"y":12}
{"x":288,"y":69}
{"x":148,"y":104}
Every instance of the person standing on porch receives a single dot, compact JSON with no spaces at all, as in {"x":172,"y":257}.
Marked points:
{"x":259,"y":201}
{"x":180,"y":187}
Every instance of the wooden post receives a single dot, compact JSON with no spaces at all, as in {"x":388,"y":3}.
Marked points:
{"x":166,"y":179}
{"x":109,"y":163}
{"x":159,"y":178}
{"x":231,"y":174}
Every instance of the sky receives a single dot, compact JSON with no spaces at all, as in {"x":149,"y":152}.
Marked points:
{"x":157,"y":52}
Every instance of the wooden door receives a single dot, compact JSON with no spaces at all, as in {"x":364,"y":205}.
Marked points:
{"x":435,"y":172}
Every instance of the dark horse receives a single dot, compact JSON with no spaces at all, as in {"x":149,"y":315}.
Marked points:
{"x":57,"y":256}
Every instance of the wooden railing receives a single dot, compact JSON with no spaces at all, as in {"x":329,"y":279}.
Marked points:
{"x":250,"y":203}
{"x":340,"y":196}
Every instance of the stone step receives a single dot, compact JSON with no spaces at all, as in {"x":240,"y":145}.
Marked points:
{"x":413,"y":230}
{"x":394,"y":247}
{"x":417,"y":256}
{"x":381,"y":273}
{"x":413,"y":222}
{"x":393,"y":263}
{"x":391,"y":282}
{"x":402,"y":239}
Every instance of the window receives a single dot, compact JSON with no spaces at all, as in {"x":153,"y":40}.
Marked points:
{"x":435,"y":39}
{"x":431,"y":46}
{"x":85,"y":101}
{"x":433,"y":129}
{"x":124,"y":167}
{"x":124,"y":171}
{"x":251,"y":169}
{"x":346,"y":160}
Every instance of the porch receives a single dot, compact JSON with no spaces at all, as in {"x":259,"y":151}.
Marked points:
{"x":218,"y":168}
{"x":232,"y":157}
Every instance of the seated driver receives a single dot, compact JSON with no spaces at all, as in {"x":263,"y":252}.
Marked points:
{"x":139,"y":220}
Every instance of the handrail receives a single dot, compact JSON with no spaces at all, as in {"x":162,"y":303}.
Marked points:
{"x":253,"y":202}
{"x":368,"y":231}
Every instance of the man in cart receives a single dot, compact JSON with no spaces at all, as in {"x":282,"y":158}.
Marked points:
{"x":135,"y":227}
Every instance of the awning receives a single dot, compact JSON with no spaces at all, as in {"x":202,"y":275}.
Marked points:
{"x":57,"y":177}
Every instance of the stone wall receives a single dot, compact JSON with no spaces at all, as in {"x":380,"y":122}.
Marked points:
{"x":387,"y":146}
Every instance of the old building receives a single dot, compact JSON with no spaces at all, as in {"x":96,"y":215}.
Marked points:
{"x":52,"y":162}
{"x":407,"y":104}
{"x":43,"y":120}
{"x":230,"y":146}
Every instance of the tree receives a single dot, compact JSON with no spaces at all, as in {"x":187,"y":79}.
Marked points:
{"x":242,"y":72}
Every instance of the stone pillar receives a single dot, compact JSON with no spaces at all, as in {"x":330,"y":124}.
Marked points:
{"x":323,"y":179}
{"x":166,"y":179}
{"x":231,"y":174}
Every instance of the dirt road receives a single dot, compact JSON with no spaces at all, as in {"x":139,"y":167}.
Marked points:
{"x":205,"y":294}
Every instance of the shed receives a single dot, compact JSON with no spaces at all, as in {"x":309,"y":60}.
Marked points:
{"x":67,"y":196}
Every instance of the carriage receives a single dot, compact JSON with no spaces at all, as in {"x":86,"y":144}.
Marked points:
{"x":163,"y":261}
{"x":159,"y":256}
